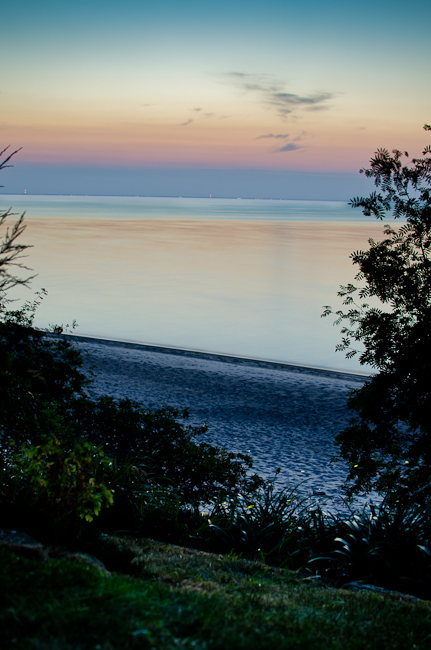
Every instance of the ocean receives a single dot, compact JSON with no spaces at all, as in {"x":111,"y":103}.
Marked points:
{"x":232,"y":276}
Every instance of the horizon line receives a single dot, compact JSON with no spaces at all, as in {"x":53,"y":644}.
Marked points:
{"x":176,"y":196}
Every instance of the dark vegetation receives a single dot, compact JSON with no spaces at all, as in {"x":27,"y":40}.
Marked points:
{"x":388,"y":443}
{"x":76,"y":470}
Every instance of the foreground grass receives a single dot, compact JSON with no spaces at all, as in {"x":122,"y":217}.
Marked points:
{"x":167,"y":597}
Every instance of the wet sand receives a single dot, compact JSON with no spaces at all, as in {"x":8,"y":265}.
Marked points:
{"x":284,"y":416}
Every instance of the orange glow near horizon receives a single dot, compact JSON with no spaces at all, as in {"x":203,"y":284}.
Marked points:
{"x":203,"y":145}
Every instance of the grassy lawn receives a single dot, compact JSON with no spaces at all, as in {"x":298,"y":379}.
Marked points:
{"x":155,"y":595}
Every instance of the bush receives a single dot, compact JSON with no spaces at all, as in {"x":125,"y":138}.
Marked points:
{"x":44,"y":393}
{"x":56,"y":491}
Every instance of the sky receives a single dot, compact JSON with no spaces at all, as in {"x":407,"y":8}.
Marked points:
{"x":274,"y":99}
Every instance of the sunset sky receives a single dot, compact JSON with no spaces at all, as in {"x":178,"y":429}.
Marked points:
{"x":103,"y":96}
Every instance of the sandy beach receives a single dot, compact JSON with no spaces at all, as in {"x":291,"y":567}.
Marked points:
{"x":284,"y":416}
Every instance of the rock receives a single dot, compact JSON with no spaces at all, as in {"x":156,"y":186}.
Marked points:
{"x":359,"y":586}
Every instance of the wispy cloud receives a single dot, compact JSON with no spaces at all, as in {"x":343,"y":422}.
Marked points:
{"x":276,"y":136}
{"x":272,"y":94}
{"x":289,"y":144}
{"x":293,"y":145}
{"x":286,"y":103}
{"x":288,"y":147}
{"x":200,"y":115}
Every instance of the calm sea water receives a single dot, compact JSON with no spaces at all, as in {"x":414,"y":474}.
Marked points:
{"x":131,"y":207}
{"x":242,"y":277}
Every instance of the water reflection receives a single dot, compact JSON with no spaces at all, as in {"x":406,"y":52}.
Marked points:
{"x":246,"y":288}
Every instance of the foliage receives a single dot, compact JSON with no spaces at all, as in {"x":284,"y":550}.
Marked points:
{"x":272,"y":525}
{"x":39,"y":378}
{"x":49,"y":365}
{"x":387,"y":444}
{"x":128,"y":430}
{"x":57,"y":488}
{"x":45,"y":393}
{"x":11,"y":252}
{"x":381,"y":547}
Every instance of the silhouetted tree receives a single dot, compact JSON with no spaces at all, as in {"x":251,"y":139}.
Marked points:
{"x":11,"y":252}
{"x":388,"y":443}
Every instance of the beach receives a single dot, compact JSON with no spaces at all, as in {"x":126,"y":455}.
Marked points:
{"x":283,"y":415}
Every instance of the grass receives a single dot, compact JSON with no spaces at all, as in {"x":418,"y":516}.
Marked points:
{"x":156,"y":595}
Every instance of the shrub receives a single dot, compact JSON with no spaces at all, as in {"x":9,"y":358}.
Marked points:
{"x":57,"y":490}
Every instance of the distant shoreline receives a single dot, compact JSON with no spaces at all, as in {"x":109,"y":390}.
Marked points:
{"x":175,"y":196}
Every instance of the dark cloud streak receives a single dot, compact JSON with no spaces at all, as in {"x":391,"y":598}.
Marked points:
{"x":286,"y":103}
{"x":288,"y":147}
{"x":277,"y":136}
{"x":273,"y":95}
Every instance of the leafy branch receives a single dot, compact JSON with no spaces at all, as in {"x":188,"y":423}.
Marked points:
{"x":11,"y":252}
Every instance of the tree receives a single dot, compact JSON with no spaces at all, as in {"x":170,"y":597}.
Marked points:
{"x":11,"y":252}
{"x":388,"y":443}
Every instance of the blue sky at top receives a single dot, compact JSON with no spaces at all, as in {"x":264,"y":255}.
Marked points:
{"x":277,"y":86}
